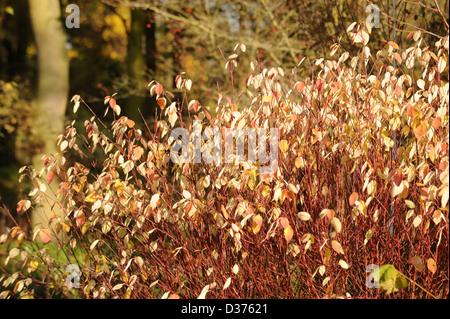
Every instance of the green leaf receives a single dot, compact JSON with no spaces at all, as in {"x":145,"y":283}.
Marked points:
{"x":390,"y":279}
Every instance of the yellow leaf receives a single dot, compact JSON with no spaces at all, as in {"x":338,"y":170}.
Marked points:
{"x":284,"y":146}
{"x":288,"y":233}
{"x":32,"y":266}
{"x":431,"y":264}
{"x":257,"y":222}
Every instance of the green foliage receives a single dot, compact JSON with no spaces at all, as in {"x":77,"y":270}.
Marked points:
{"x":390,"y":279}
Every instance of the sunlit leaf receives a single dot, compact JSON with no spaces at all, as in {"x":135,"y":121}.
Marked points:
{"x":431,"y":265}
{"x":288,"y":233}
{"x":337,"y":247}
{"x":304,"y":216}
{"x":390,"y":279}
{"x":45,"y":235}
{"x":227,"y":283}
{"x":353,"y":198}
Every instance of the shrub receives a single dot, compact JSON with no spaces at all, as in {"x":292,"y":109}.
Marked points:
{"x":362,"y":180}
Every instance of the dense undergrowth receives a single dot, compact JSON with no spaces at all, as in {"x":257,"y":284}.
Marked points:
{"x":361,"y":183}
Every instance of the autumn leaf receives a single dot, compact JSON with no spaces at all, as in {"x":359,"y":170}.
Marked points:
{"x":337,"y":247}
{"x":393,"y":44}
{"x":50,"y":177}
{"x":130,"y":123}
{"x":158,"y":89}
{"x":398,"y":178}
{"x":431,"y":265}
{"x":257,"y":222}
{"x":284,"y":146}
{"x":299,"y":86}
{"x":288,"y":233}
{"x":284,"y":222}
{"x":45,"y":235}
{"x":112,"y":103}
{"x":417,"y":263}
{"x":353,"y":198}
{"x":162,"y":103}
{"x":436,"y":123}
{"x":304,"y":216}
{"x":420,"y":130}
{"x":397,"y":57}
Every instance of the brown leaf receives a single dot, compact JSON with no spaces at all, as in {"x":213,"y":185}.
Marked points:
{"x":398,"y":178}
{"x":417,"y":263}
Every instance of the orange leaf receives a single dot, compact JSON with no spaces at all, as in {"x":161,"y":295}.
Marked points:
{"x":20,"y":206}
{"x":158,"y":89}
{"x":130,"y":123}
{"x":288,"y":233}
{"x":162,"y":103}
{"x":411,"y":111}
{"x":437,"y":123}
{"x":257,"y":222}
{"x":137,"y":152}
{"x":45,"y":235}
{"x":353,"y":198}
{"x":330,"y":214}
{"x":299,"y":86}
{"x":112,"y":102}
{"x":398,"y":57}
{"x":337,"y":247}
{"x":420,"y":130}
{"x":284,"y":222}
{"x":298,"y":162}
{"x":80,"y":220}
{"x":393,"y":44}
{"x":50,"y":177}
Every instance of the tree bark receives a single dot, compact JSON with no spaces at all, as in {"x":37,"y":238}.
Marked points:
{"x":48,"y":109}
{"x":136,"y":65}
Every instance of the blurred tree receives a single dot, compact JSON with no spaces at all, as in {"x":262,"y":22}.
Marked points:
{"x":48,"y":109}
{"x":140,"y":61}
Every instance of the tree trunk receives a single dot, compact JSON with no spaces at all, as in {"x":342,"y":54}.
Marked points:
{"x":48,"y":109}
{"x":136,"y":65}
